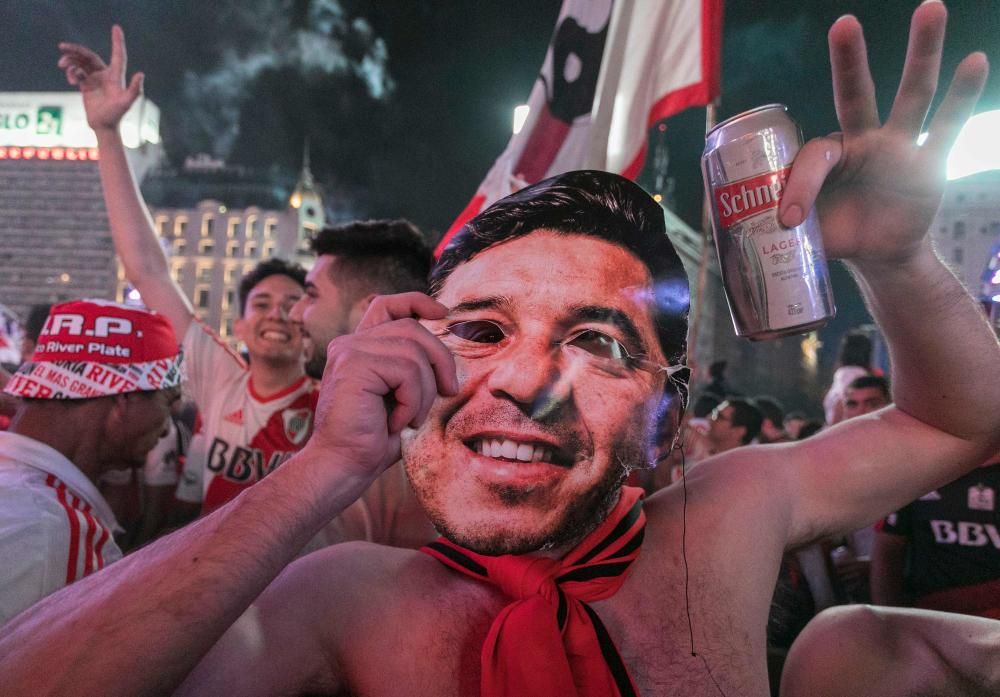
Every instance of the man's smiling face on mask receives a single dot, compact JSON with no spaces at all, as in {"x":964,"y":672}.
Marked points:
{"x":556,"y":353}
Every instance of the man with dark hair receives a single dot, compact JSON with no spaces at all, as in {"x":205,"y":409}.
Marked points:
{"x":253,"y":417}
{"x":866,"y":394}
{"x":266,"y":269}
{"x":854,"y":361}
{"x":772,"y":425}
{"x":355,"y":263}
{"x":733,"y":423}
{"x":519,"y":397}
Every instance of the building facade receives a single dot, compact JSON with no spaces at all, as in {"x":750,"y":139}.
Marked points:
{"x":54,"y":238}
{"x":967,"y":226}
{"x":211,"y":246}
{"x":242,"y":218}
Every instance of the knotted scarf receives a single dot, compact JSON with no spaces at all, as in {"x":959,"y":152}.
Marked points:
{"x":549,"y":641}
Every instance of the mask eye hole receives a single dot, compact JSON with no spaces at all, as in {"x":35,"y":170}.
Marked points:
{"x":479,"y":331}
{"x":599,"y":345}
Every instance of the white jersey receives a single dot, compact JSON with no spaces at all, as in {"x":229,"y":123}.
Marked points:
{"x":55,"y":527}
{"x":240,"y":437}
{"x":243,"y":436}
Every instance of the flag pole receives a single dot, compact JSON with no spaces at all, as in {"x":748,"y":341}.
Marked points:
{"x":698,"y":306}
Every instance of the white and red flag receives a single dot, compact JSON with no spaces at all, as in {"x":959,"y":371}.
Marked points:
{"x":612,"y":69}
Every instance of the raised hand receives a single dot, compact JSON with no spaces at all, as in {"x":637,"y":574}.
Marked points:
{"x":877,"y":190}
{"x":106,"y":97}
{"x":379,"y":380}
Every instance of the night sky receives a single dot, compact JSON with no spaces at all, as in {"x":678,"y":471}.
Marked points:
{"x":408,"y":103}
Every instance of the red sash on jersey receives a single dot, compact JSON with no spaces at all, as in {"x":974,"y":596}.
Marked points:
{"x":981,"y":599}
{"x":548,"y":641}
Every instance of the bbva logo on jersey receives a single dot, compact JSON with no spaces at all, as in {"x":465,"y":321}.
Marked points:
{"x":298,"y":424}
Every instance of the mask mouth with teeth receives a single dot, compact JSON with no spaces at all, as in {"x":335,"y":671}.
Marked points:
{"x":518,"y":450}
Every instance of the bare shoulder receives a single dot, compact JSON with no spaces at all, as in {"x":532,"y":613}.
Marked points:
{"x":372,"y":610}
{"x":347,"y":578}
{"x":743,"y":478}
{"x":731,"y":503}
{"x":369,"y":589}
{"x":345,"y":617}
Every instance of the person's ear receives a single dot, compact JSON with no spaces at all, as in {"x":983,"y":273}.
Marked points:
{"x":117,"y":413}
{"x":358,"y":309}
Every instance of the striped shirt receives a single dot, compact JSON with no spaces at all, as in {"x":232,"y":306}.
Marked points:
{"x":55,"y":527}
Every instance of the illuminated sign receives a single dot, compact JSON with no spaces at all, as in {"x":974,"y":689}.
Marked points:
{"x":31,"y":153}
{"x":56,"y":120}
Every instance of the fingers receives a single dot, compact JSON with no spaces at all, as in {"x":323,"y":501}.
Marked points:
{"x":955,"y":109}
{"x":853,"y":88}
{"x":74,"y":75}
{"x":393,"y":367}
{"x":119,"y":56}
{"x":435,"y":353}
{"x":80,"y":56}
{"x":920,"y":71}
{"x":413,"y":394}
{"x":387,"y":308}
{"x":135,"y":86}
{"x":428,"y":368}
{"x":395,"y":314}
{"x":812,"y":165}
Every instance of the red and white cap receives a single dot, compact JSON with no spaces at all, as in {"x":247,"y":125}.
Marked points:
{"x":96,"y":348}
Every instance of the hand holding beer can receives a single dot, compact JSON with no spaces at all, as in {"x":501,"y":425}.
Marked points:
{"x":776,"y":278}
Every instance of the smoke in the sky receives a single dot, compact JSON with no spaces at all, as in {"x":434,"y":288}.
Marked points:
{"x":755,"y":52}
{"x":312,"y":38}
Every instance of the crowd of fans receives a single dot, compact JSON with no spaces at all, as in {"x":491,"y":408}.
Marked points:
{"x":106,"y":448}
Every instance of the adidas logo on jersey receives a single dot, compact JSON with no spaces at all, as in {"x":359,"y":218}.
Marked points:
{"x":235,"y":418}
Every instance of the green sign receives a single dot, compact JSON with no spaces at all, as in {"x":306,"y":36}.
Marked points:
{"x":47,"y":121}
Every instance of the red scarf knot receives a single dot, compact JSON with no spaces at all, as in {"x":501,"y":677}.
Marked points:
{"x":549,"y":641}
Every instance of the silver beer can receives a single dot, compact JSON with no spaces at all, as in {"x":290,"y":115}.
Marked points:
{"x":776,"y":278}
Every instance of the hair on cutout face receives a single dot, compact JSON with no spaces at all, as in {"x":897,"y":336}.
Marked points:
{"x":596,"y":204}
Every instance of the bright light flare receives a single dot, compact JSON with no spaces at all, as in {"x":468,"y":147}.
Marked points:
{"x":520,"y":117}
{"x":977,"y":148}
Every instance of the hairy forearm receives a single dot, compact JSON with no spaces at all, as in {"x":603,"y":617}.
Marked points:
{"x":945,"y":357}
{"x":140,"y":625}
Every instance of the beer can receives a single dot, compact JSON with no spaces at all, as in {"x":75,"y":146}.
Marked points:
{"x":776,"y":278}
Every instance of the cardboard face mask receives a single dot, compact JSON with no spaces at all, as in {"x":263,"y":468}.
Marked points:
{"x":568,"y":321}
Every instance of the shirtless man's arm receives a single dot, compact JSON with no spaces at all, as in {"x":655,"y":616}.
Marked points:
{"x":879,"y":194}
{"x":140,"y":625}
{"x":106,"y":98}
{"x":893,"y":652}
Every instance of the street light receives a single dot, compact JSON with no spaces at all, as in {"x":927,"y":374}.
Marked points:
{"x":520,"y":116}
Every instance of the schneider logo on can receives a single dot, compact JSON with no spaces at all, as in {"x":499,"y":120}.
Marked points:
{"x":744,"y":199}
